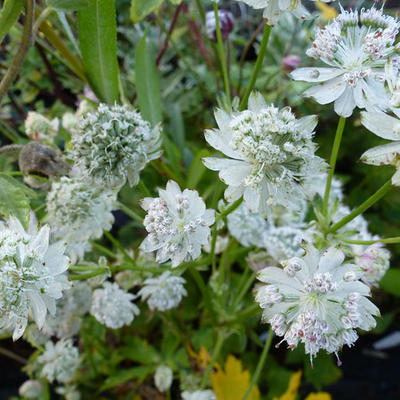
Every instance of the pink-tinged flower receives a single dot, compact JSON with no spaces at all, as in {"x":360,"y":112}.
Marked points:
{"x":226,"y":22}
{"x":374,"y":262}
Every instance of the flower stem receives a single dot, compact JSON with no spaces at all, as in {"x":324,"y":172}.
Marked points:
{"x":222,"y":58}
{"x":13,"y":356}
{"x":334,"y":154}
{"x":392,"y":240}
{"x":257,"y":68}
{"x":229,"y":209}
{"x":260,"y":365}
{"x":22,"y":51}
{"x":364,"y":206}
{"x":215,"y":355}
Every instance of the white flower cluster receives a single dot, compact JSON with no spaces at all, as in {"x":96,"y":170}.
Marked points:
{"x":163,"y":292}
{"x":59,"y":361}
{"x":270,"y":152}
{"x":112,"y":306}
{"x":198,"y":395}
{"x":114,"y":144}
{"x":78,"y":212}
{"x":355,"y":46}
{"x":272,"y":8}
{"x":31,"y":275}
{"x":317,"y":300}
{"x":38,"y":127}
{"x":71,"y":308}
{"x":178,"y":224}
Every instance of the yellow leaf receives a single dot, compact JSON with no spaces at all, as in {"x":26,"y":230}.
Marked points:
{"x":319,"y":396}
{"x":293,"y":387}
{"x":327,"y":12}
{"x":232,"y":383}
{"x":202,"y":359}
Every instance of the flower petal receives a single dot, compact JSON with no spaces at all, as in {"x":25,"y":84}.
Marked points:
{"x":311,"y":74}
{"x":381,"y":124}
{"x":382,"y":155}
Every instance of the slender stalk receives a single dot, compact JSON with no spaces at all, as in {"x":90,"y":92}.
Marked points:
{"x":257,"y":68}
{"x":104,"y":250}
{"x":213,"y":244}
{"x":215,"y":355}
{"x":334,"y":154}
{"x":13,"y":356}
{"x":26,"y":42}
{"x":136,"y":217}
{"x":144,"y":189}
{"x":260,"y":365}
{"x":221,"y":54}
{"x":244,"y":290}
{"x":364,"y":206}
{"x":39,"y":20}
{"x":230,"y":209}
{"x":201,"y":11}
{"x":81,"y":277}
{"x":392,"y":240}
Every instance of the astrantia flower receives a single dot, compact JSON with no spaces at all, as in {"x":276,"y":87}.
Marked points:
{"x":316,"y":300}
{"x":31,"y":275}
{"x":163,"y":292}
{"x":59,"y":361}
{"x":177,"y":223}
{"x":112,"y":306}
{"x":355,"y":46}
{"x":77,"y":212}
{"x":114,"y":144}
{"x":71,"y":308}
{"x":273,"y":8}
{"x":163,"y":378}
{"x":38,"y":127}
{"x":374,"y":262}
{"x":198,"y":395}
{"x":270,"y":152}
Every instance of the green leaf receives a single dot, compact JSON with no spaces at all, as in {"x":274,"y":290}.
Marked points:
{"x":390,"y":283}
{"x":97,"y":31}
{"x":147,"y":83}
{"x":324,"y":371}
{"x":137,"y":349}
{"x":142,"y":8}
{"x":68,"y":5}
{"x":124,"y":375}
{"x":13,"y":200}
{"x":8,"y":15}
{"x":197,"y":169}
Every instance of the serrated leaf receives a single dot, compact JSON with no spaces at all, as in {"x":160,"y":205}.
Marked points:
{"x":147,"y":83}
{"x":124,"y":375}
{"x":9,"y":15}
{"x":13,"y":200}
{"x":97,"y":31}
{"x":390,"y":283}
{"x":68,"y":5}
{"x":232,"y":384}
{"x":142,"y":8}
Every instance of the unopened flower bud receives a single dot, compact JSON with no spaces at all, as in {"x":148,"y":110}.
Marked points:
{"x":291,"y":62}
{"x":30,"y":389}
{"x":226,"y":21}
{"x":163,"y":378}
{"x":38,"y":127}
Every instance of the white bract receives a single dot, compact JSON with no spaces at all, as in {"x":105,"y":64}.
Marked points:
{"x":178,"y":224}
{"x":163,"y":292}
{"x":59,"y":361}
{"x":270,"y":154}
{"x":198,"y":395}
{"x":273,"y":8}
{"x":163,"y":378}
{"x":31,"y":275}
{"x":114,"y":144}
{"x":316,"y":300}
{"x":355,"y":46}
{"x":374,"y":262}
{"x":77,"y":212}
{"x":112,"y":306}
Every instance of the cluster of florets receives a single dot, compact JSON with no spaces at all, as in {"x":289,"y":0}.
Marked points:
{"x":78,"y":212}
{"x":114,"y":144}
{"x":355,"y":46}
{"x":38,"y":127}
{"x":59,"y":361}
{"x":177,"y":223}
{"x":112,"y":306}
{"x":71,"y":308}
{"x":316,"y":300}
{"x":31,"y":275}
{"x":374,"y":262}
{"x":270,"y":152}
{"x":163,"y":292}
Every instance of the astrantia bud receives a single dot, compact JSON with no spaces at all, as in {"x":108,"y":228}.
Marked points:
{"x":374,"y":262}
{"x":226,"y":21}
{"x":38,"y":127}
{"x":198,"y":395}
{"x":31,"y":389}
{"x":291,"y":62}
{"x":163,"y":378}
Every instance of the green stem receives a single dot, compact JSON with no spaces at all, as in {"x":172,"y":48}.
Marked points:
{"x":244,"y":290}
{"x":39,"y":20}
{"x":204,"y":292}
{"x":104,"y":250}
{"x":13,"y":356}
{"x":229,"y":209}
{"x":257,"y":68}
{"x":22,"y":51}
{"x":364,"y":206}
{"x":334,"y":154}
{"x":392,"y":240}
{"x":222,"y":58}
{"x":201,"y":11}
{"x":136,"y":217}
{"x":81,"y":277}
{"x":215,"y":355}
{"x":260,"y":365}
